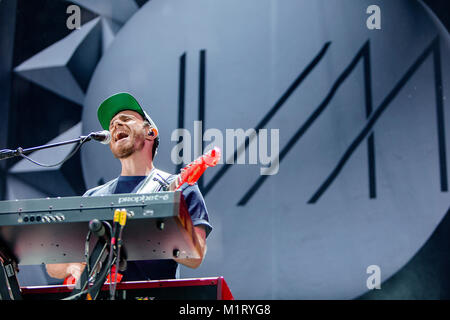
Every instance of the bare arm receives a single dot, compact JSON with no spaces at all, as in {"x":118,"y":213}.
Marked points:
{"x":191,"y":262}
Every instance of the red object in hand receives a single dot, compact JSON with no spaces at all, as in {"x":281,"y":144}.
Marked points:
{"x":71,"y":280}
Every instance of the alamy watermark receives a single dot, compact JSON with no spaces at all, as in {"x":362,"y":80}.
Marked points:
{"x":74,"y":20}
{"x":374,"y":280}
{"x":189,"y":146}
{"x":374,"y":20}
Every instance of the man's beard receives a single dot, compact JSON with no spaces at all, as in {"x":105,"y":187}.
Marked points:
{"x":124,"y":150}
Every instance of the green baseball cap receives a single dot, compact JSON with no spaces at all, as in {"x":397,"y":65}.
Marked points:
{"x":119,"y":102}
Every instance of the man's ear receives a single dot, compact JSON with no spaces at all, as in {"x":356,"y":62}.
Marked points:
{"x":150,"y":133}
{"x":153,"y":132}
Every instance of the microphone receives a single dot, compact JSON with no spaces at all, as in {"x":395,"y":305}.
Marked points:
{"x":101,"y":136}
{"x":98,"y":229}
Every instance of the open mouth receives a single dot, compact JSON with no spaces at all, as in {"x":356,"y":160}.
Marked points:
{"x":120,"y":136}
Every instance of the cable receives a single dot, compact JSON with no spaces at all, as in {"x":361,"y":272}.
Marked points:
{"x":80,"y":294}
{"x":100,"y":279}
{"x":112,"y":245}
{"x":86,"y":252}
{"x":122,"y":222}
{"x":119,"y":245}
{"x":70,"y":155}
{"x":76,"y":296}
{"x":98,"y":282}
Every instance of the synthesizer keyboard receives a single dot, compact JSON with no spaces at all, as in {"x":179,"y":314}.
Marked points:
{"x":53,"y":230}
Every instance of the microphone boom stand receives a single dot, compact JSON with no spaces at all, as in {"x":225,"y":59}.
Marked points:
{"x":8,"y":153}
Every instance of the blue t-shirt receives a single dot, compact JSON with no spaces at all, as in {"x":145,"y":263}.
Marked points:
{"x":126,"y":184}
{"x":163,"y":269}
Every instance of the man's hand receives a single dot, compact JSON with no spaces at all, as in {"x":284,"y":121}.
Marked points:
{"x":201,"y":237}
{"x":63,"y":270}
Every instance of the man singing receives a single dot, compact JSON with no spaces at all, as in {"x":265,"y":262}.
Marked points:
{"x":134,"y":141}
